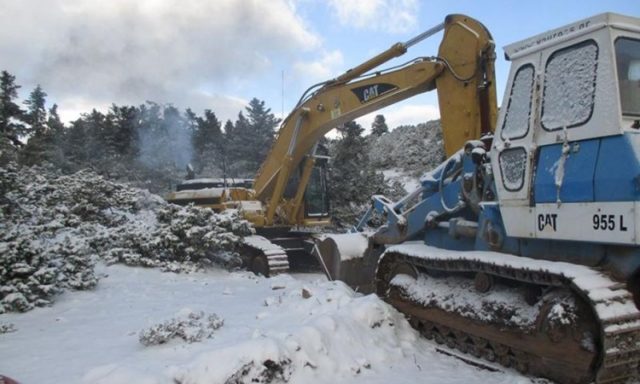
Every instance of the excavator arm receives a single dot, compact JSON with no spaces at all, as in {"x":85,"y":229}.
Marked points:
{"x":462,"y":73}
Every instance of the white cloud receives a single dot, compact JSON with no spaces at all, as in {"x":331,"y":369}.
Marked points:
{"x":405,"y":114}
{"x":395,"y":16}
{"x":94,"y":52}
{"x":225,"y":107}
{"x":75,"y":106}
{"x":324,"y":68}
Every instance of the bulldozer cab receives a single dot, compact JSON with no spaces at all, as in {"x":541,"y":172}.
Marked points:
{"x":567,"y":143}
{"x":628,"y":67}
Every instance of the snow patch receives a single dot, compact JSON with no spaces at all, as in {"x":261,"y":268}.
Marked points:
{"x":329,"y":341}
{"x":7,"y":327}
{"x":188,"y":325}
{"x":501,"y":305}
{"x":408,"y":182}
{"x":351,"y":245}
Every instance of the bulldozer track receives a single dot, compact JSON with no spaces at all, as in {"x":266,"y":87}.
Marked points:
{"x":263,"y":256}
{"x":614,"y":318}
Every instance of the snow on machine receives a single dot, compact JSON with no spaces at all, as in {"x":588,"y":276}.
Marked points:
{"x":523,"y":247}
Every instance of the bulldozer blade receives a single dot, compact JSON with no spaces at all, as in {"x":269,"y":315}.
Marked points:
{"x":350,"y":258}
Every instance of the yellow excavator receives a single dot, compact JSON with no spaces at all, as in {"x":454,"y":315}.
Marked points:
{"x":462,"y":73}
{"x":288,"y":195}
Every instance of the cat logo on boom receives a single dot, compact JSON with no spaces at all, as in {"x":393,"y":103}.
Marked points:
{"x":372,"y":91}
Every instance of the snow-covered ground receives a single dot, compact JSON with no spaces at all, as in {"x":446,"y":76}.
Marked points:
{"x":298,"y":328}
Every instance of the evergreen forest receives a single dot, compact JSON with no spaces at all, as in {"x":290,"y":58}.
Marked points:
{"x":150,"y":145}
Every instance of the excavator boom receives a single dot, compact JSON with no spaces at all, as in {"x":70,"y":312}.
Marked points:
{"x":462,"y":73}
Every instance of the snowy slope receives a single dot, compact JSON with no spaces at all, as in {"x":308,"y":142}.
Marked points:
{"x":407,"y":152}
{"x":300,"y":329}
{"x":409,"y":183}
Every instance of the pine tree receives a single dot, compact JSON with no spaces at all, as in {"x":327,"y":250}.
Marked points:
{"x":123,"y":123}
{"x":39,"y":142}
{"x":36,"y":115}
{"x":379,"y":126}
{"x":240,"y":150}
{"x":10,"y":113}
{"x":225,"y":151}
{"x":97,"y":135}
{"x":251,"y":138}
{"x":228,"y":128}
{"x":263,"y":124}
{"x":75,"y":146}
{"x":54,"y":139}
{"x":352,"y":179}
{"x":208,"y":143}
{"x":54,"y":123}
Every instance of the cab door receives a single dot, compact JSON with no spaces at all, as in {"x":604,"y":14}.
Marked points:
{"x":513,"y":147}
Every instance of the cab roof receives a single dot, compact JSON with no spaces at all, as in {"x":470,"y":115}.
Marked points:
{"x":570,"y":31}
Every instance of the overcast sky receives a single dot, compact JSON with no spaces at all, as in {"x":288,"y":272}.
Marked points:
{"x":218,"y":54}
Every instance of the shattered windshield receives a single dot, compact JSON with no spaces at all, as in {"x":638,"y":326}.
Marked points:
{"x":628,"y":62}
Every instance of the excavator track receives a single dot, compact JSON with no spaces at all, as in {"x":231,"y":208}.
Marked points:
{"x":263,"y":257}
{"x":601,"y":343}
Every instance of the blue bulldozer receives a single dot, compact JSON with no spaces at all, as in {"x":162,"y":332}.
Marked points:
{"x":523,"y":246}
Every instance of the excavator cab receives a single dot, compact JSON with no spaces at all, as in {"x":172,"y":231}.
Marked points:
{"x":316,"y":201}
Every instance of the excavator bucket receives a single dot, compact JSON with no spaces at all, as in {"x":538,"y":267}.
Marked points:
{"x":350,"y":257}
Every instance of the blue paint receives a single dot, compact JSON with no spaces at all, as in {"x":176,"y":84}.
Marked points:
{"x":490,"y":217}
{"x":603,"y":169}
{"x":416,"y":220}
{"x":568,"y":251}
{"x":439,"y":237}
{"x":625,"y":260}
{"x":579,"y":171}
{"x":617,"y":173}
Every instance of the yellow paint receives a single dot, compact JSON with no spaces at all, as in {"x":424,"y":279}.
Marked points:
{"x":466,"y":94}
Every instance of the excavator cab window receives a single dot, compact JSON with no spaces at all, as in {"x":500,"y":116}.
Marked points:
{"x":628,"y":63}
{"x":316,"y":201}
